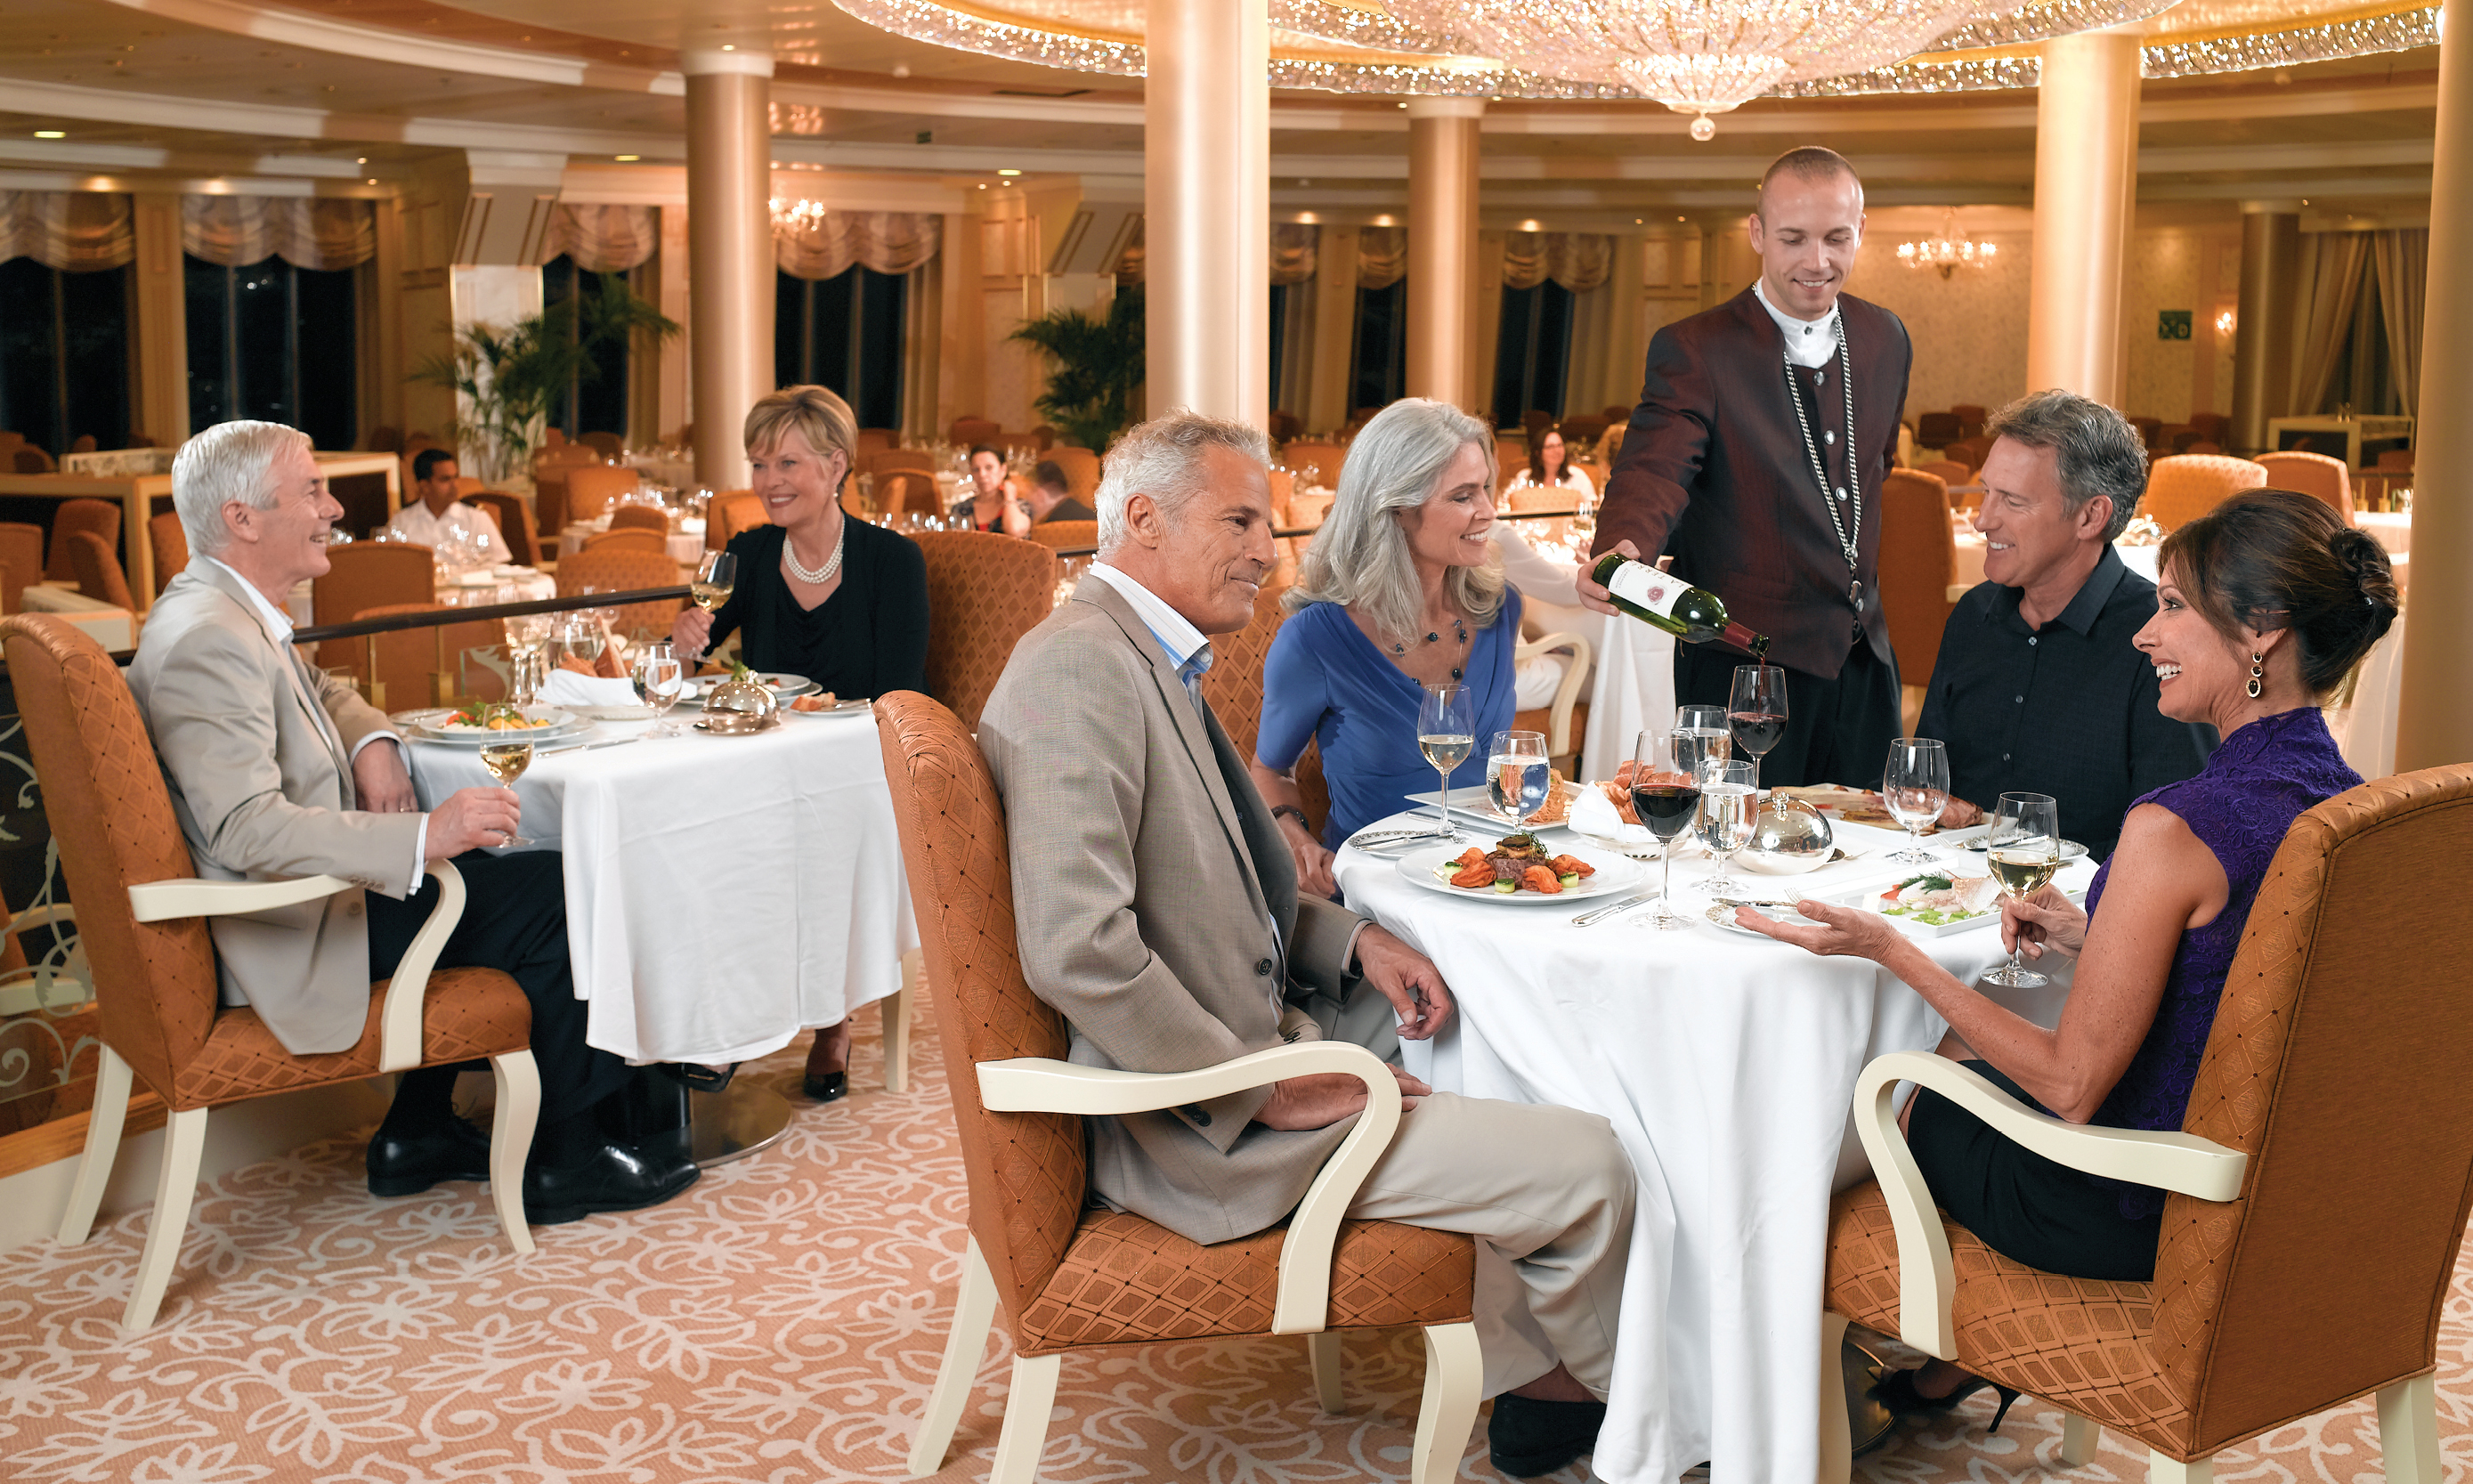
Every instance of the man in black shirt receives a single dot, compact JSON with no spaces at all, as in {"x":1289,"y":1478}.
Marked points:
{"x":2038,"y":688}
{"x":1051,"y":495}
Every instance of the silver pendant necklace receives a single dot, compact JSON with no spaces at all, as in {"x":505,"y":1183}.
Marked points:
{"x":817,"y":576}
{"x":1847,"y":534}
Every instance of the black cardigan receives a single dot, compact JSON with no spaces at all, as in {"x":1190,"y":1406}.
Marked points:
{"x":868,"y":639}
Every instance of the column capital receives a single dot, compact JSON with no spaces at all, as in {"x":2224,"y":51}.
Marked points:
{"x":1447,"y":108}
{"x":718,"y":61}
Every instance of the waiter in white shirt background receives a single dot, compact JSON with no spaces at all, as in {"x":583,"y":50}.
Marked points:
{"x":435,"y":509}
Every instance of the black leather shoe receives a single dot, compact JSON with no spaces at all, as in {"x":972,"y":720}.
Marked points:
{"x":454,"y":1150}
{"x":1528,"y":1438}
{"x":1897,"y":1392}
{"x":825,"y":1087}
{"x":615,"y":1177}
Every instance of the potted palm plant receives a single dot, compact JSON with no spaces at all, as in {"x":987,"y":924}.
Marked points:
{"x":1097,"y":368}
{"x":509,"y":376}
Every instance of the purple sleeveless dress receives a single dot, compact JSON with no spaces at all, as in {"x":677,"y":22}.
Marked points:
{"x":2240,"y":805}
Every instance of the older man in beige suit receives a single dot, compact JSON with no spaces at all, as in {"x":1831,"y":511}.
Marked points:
{"x":1159,"y":912}
{"x":277,"y":771}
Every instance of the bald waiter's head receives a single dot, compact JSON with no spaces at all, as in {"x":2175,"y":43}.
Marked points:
{"x":1808,"y":225}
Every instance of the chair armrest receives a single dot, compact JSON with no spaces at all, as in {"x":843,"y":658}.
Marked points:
{"x":1558,"y":732}
{"x":1927,"y":1276}
{"x":1043,"y":1085}
{"x":399,"y":1018}
{"x":191,"y":897}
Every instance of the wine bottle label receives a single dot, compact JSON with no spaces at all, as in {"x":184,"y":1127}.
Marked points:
{"x":1638,"y":583}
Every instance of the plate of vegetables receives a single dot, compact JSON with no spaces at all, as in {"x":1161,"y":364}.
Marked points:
{"x":478,"y":722}
{"x":1519,"y":869}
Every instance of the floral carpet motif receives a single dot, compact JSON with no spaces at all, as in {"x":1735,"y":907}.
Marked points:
{"x":778,"y":1324}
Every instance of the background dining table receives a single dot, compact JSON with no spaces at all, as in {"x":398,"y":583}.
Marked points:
{"x":1726,"y":1063}
{"x":723,"y":894}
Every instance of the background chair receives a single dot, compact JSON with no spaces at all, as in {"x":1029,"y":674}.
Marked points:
{"x":1970,"y":419}
{"x":2182,"y":487}
{"x":1937,"y":429}
{"x":730,"y":512}
{"x":21,"y":553}
{"x":609,"y":446}
{"x":83,"y":443}
{"x":1232,"y":686}
{"x":143,"y":916}
{"x":873,"y":440}
{"x":1919,"y":562}
{"x":427,"y":666}
{"x":100,"y":516}
{"x":1081,"y":469}
{"x":593,"y":488}
{"x":98,"y":571}
{"x":903,"y":491}
{"x":1581,"y":432}
{"x":1068,"y":1278}
{"x":639,"y":517}
{"x":886,"y":461}
{"x":1534,"y":497}
{"x":1315,"y":464}
{"x":985,"y":591}
{"x":32,"y":460}
{"x":967,"y":431}
{"x":2312,"y":474}
{"x":627,"y":538}
{"x":1951,"y":473}
{"x":1567,"y":715}
{"x":620,"y":570}
{"x":2320,"y":1186}
{"x":363,"y":576}
{"x":385,"y":438}
{"x":171,"y":543}
{"x":551,"y":468}
{"x":1057,"y":534}
{"x":515,"y":525}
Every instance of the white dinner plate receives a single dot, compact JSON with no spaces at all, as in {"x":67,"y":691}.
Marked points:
{"x":1614,"y":875}
{"x":1868,"y":898}
{"x":1471,"y":804}
{"x":838,"y":708}
{"x":2070,"y":850}
{"x":424,"y":726}
{"x":783,"y":687}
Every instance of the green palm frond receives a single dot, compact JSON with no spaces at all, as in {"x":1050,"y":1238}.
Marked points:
{"x":1097,"y":368}
{"x":513,"y":374}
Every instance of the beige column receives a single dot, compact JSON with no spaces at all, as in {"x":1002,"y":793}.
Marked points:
{"x":2086,"y":151}
{"x":729,"y":240}
{"x":159,"y":312}
{"x":2436,"y":723}
{"x":1442,"y":249}
{"x":1334,"y":352}
{"x":2263,"y":326}
{"x":962,"y":351}
{"x":1207,"y":203}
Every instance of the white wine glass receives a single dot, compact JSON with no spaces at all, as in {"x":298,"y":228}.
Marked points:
{"x":1667,"y":802}
{"x":1517,"y":777}
{"x":507,"y":762}
{"x":716,"y":575}
{"x":1728,"y":806}
{"x":1914,"y":785}
{"x":660,"y":680}
{"x":2025,"y":849}
{"x":1446,"y":734}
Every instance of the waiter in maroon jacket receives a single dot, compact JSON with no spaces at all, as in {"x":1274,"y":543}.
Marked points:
{"x":1755,"y":460}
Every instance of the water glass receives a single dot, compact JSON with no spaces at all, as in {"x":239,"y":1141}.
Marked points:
{"x":661,"y":679}
{"x":1914,"y":785}
{"x":1517,"y":777}
{"x":1700,"y":734}
{"x":1728,"y":806}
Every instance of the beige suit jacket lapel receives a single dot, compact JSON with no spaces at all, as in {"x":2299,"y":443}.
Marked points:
{"x":295,"y":669}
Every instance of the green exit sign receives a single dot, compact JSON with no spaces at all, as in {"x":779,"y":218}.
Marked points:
{"x":2172,"y":324}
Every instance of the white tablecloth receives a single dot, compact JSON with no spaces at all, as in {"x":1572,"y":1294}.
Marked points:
{"x":2367,"y":730}
{"x":1726,"y":1064}
{"x":1635,"y":682}
{"x":723,"y":894}
{"x":530,"y":584}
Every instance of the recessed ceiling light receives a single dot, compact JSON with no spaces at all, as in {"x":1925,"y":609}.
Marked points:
{"x":1529,"y":225}
{"x":360,"y":160}
{"x":728,"y":46}
{"x":1008,"y":173}
{"x":50,"y":134}
{"x":626,"y":160}
{"x":371,"y":180}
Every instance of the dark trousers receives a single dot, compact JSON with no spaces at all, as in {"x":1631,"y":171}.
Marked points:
{"x":1836,"y":730}
{"x":514,"y":919}
{"x":2027,"y":1208}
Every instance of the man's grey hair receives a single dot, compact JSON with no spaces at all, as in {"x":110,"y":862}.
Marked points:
{"x":231,"y":461}
{"x":1163,"y":459}
{"x":2096,"y":450}
{"x":1360,"y":558}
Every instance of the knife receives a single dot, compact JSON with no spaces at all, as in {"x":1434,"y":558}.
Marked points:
{"x":1628,"y":903}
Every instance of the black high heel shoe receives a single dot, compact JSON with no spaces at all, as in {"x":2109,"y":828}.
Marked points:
{"x":1897,"y":1392}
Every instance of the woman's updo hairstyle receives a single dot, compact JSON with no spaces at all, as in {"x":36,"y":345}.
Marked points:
{"x":2271,"y":558}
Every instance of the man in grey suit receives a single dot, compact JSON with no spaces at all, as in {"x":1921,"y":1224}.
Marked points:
{"x":1158,"y":910}
{"x":277,"y":770}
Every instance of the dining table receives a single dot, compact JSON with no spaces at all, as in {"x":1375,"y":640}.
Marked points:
{"x":723,"y":894}
{"x":684,"y":541}
{"x":1727,"y":1063}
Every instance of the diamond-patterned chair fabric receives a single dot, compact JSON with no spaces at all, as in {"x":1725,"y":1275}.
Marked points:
{"x":622,"y":570}
{"x":2182,"y":487}
{"x":985,"y":591}
{"x":2336,"y":1063}
{"x":171,"y":545}
{"x":730,"y":512}
{"x":102,"y":517}
{"x":1232,"y":686}
{"x":110,"y":813}
{"x":98,"y":571}
{"x":1072,"y":1277}
{"x":1060,"y":535}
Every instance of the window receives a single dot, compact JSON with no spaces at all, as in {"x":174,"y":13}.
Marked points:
{"x":63,"y":354}
{"x":845,"y":334}
{"x":1279,"y":337}
{"x":274,"y":342}
{"x":1379,"y":375}
{"x":595,"y":403}
{"x":1534,"y":353}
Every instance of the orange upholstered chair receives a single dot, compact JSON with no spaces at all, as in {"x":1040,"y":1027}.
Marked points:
{"x":22,"y":563}
{"x":984,"y":592}
{"x":1062,"y":535}
{"x":1081,"y":469}
{"x":609,"y":446}
{"x":625,"y":571}
{"x":873,"y":440}
{"x":2182,"y":487}
{"x":627,"y":538}
{"x":98,"y":571}
{"x":886,"y":461}
{"x":591,"y":487}
{"x":730,"y":512}
{"x":515,"y":525}
{"x":967,"y":431}
{"x":1069,"y":1278}
{"x":363,"y":576}
{"x":2319,"y":1186}
{"x":641,"y":517}
{"x":1949,"y":472}
{"x":1232,"y":687}
{"x":100,"y":516}
{"x":171,"y":545}
{"x":426,"y":666}
{"x":914,"y":490}
{"x":1315,"y":464}
{"x":142,"y":916}
{"x":2312,"y":474}
{"x":1918,"y":564}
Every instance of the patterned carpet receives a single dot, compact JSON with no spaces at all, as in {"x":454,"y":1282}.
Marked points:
{"x":778,"y":1324}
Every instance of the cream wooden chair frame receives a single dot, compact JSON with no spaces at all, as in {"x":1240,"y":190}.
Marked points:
{"x":1928,"y":1275}
{"x":1453,"y":1367}
{"x":184,"y":1133}
{"x":1558,"y":732}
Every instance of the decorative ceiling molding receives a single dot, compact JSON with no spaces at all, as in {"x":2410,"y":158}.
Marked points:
{"x":216,"y":115}
{"x":384,"y":43}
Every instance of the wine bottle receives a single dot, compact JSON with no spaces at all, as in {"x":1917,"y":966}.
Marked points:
{"x":1692,"y":614}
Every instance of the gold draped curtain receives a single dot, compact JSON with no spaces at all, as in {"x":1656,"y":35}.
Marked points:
{"x":1294,"y":252}
{"x":1381,"y":257}
{"x":886,"y":242}
{"x":2332,"y":269}
{"x":75,"y":231}
{"x":603,"y":239}
{"x":233,"y":232}
{"x":1578,"y":261}
{"x":2402,"y":260}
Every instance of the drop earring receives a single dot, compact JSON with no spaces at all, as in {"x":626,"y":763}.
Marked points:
{"x":2257,"y":673}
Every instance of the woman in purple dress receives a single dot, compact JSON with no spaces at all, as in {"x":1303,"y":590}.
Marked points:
{"x":2266,"y":604}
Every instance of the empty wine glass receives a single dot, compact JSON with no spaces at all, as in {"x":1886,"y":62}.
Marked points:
{"x":1914,"y":785}
{"x":1446,"y":734}
{"x":2024,"y":851}
{"x":1728,"y":806}
{"x":1666,"y":801}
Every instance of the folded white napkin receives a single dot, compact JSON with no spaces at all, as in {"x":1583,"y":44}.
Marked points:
{"x":1594,"y":814}
{"x":565,"y":687}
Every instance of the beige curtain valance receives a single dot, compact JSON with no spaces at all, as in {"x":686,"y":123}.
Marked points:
{"x":603,"y":239}
{"x":1381,"y":257}
{"x":885,"y":242}
{"x":1578,"y":261}
{"x":1295,"y":250}
{"x":75,"y":231}
{"x":234,"y":231}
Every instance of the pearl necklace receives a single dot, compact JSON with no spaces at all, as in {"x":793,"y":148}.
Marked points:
{"x":818,"y":576}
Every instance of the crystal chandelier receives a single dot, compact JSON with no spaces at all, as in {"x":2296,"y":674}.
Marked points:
{"x":1949,"y":251}
{"x":797,"y":215}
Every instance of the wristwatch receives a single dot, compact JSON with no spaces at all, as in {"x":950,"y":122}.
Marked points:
{"x":1291,"y":810}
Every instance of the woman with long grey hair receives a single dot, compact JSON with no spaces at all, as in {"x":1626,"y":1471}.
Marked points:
{"x":1401,"y":589}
